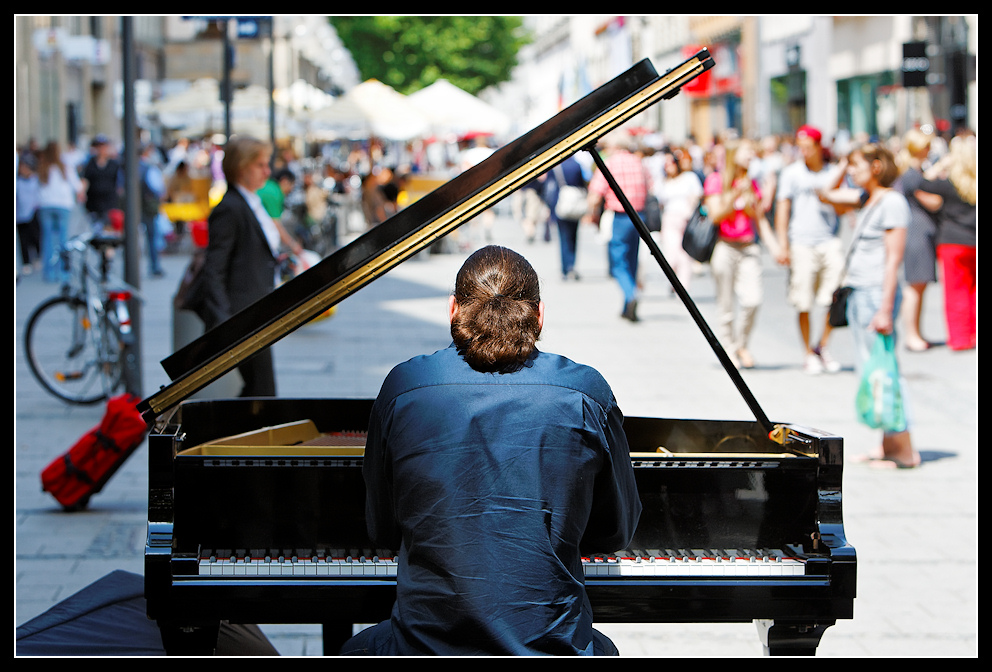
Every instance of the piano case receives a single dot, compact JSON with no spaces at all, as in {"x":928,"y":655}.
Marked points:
{"x":84,"y":469}
{"x":256,"y":506}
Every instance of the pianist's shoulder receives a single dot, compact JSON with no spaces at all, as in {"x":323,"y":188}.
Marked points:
{"x":447,"y":367}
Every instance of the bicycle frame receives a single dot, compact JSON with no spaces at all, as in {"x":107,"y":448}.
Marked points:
{"x":99,"y":324}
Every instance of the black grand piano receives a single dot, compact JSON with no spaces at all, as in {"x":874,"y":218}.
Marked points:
{"x":256,"y":506}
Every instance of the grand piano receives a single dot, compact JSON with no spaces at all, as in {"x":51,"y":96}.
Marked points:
{"x":256,"y":506}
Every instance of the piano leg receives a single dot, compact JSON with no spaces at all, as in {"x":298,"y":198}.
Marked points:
{"x":335,"y":634}
{"x":786,"y":638}
{"x":189,"y":640}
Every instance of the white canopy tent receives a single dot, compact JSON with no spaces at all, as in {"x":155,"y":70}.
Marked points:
{"x":451,"y":109}
{"x":199,"y":110}
{"x":197,"y":105}
{"x":372,"y":108}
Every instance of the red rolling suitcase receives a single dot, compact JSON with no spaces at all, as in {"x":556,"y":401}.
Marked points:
{"x":83,"y":470}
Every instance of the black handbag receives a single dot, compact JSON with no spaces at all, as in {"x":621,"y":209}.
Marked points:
{"x":700,"y":236}
{"x":652,"y":214}
{"x":837,"y":315}
{"x":838,"y":306}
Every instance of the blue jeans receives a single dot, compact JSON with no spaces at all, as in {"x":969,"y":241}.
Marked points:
{"x":861,"y":307}
{"x":623,"y":248}
{"x":567,"y":236}
{"x":152,"y":238}
{"x":54,"y":234}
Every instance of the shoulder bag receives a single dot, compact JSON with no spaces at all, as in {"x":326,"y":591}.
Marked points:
{"x":573,"y":202}
{"x":837,"y":315}
{"x":700,"y":235}
{"x":652,"y":213}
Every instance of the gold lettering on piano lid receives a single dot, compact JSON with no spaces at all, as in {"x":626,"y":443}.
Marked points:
{"x":625,"y":110}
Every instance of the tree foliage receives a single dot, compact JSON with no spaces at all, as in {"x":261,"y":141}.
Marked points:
{"x":411,"y":52}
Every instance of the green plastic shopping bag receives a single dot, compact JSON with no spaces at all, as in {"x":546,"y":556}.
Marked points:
{"x":879,"y":400}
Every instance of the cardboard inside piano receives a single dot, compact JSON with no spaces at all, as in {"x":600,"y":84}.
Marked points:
{"x":303,"y":438}
{"x":297,"y":438}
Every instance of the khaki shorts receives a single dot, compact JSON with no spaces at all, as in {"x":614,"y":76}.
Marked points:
{"x":814,"y":273}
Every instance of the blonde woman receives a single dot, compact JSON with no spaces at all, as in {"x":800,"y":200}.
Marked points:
{"x":242,"y":252}
{"x":957,"y":240}
{"x":733,"y":202}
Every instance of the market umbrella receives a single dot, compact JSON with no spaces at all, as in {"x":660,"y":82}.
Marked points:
{"x":200,"y":104}
{"x":451,"y":109}
{"x":199,"y":111}
{"x":375,"y":109}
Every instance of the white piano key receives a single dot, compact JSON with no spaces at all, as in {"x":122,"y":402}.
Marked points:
{"x":694,"y":563}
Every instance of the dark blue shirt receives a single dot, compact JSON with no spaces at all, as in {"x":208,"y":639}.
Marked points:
{"x":492,"y":486}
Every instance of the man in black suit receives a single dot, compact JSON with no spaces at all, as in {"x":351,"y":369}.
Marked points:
{"x":241,"y":257}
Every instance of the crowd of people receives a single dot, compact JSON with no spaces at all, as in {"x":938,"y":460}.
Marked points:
{"x":772,"y":195}
{"x":64,"y":190}
{"x":763,"y":195}
{"x":890,"y":218}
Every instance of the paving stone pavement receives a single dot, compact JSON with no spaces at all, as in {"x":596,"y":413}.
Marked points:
{"x":915,"y":531}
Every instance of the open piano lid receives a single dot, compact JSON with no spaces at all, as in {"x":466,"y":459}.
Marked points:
{"x":350,"y":268}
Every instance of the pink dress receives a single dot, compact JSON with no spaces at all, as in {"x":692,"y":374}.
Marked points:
{"x":737,"y":228}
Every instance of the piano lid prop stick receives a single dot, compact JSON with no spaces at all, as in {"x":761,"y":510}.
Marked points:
{"x":774,"y":432}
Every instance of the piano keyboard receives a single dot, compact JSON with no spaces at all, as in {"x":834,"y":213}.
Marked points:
{"x":295,"y":563}
{"x":695,"y":562}
{"x":647,"y":563}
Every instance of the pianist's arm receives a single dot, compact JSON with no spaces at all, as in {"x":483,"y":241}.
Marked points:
{"x":377,"y":472}
{"x":616,"y":506}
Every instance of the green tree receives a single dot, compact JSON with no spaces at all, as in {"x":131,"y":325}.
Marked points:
{"x":411,"y":52}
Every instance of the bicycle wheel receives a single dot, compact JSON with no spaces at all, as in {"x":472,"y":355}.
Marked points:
{"x":71,"y":358}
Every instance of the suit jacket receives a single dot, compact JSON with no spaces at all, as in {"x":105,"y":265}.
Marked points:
{"x":239,"y":268}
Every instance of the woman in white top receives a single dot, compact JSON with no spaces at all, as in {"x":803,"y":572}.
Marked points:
{"x":59,"y":191}
{"x":679,"y":196}
{"x":873,"y":271}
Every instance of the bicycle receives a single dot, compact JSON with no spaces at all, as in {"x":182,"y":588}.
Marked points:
{"x":77,"y":342}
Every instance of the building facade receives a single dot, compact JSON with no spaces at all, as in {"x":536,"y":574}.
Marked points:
{"x":69,"y":72}
{"x":845,"y":74}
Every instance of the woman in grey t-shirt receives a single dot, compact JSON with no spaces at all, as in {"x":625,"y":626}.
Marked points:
{"x":879,"y":241}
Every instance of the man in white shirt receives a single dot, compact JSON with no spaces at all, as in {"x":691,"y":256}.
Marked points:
{"x":807,"y":231}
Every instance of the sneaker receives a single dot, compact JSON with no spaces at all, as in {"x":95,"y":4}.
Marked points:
{"x":830,"y":365}
{"x":630,"y":311}
{"x":813,"y":365}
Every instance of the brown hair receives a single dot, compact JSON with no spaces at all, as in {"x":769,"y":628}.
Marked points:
{"x":238,"y":153}
{"x":50,"y":156}
{"x":497,"y":326}
{"x":679,"y":154}
{"x":876,"y":152}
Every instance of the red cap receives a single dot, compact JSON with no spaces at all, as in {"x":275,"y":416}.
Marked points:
{"x":809,"y":132}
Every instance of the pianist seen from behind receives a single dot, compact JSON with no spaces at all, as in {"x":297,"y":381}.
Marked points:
{"x":493,"y":468}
